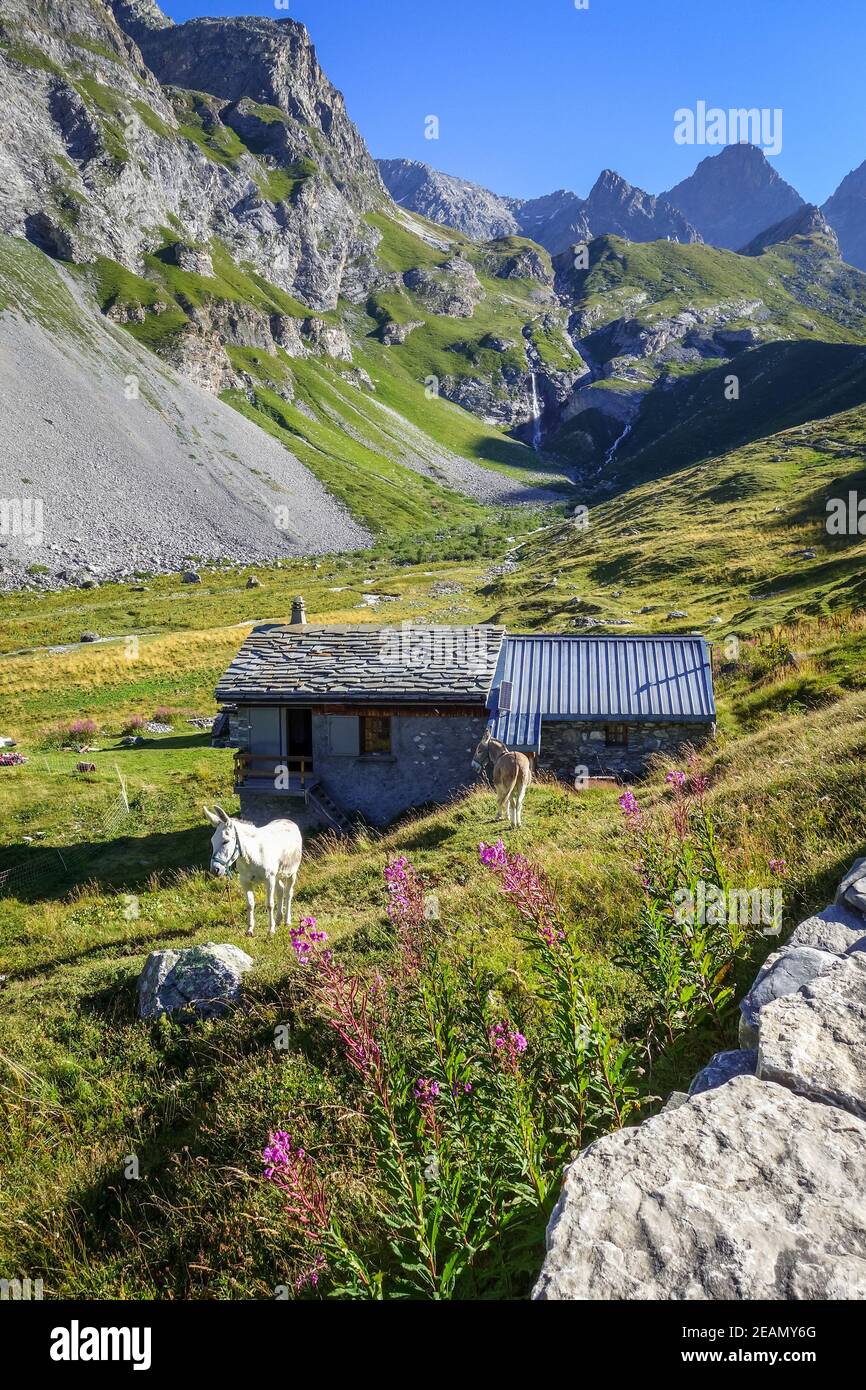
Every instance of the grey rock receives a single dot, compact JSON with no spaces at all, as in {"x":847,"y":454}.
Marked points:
{"x":675,"y":1100}
{"x":747,"y":1192}
{"x":852,"y":889}
{"x":89,"y":637}
{"x":201,"y":981}
{"x":614,"y":206}
{"x":783,"y":972}
{"x":397,"y":333}
{"x":723,"y":1067}
{"x":327,"y":339}
{"x":807,"y":221}
{"x":190,"y":577}
{"x":556,"y":220}
{"x":157,"y":966}
{"x":452,"y":289}
{"x":814,"y":1041}
{"x":837,"y":929}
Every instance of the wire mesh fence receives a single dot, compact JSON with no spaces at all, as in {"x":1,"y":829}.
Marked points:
{"x":48,"y":865}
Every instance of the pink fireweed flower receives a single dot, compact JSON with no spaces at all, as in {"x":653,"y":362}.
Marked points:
{"x":508,"y":1045}
{"x":629,"y":807}
{"x":426,"y":1092}
{"x":528,"y":889}
{"x":493,"y":855}
{"x":676,"y":778}
{"x":405,"y":892}
{"x":406,"y":910}
{"x":310,"y":1276}
{"x":305,"y":939}
{"x":294,"y":1172}
{"x":778,"y":867}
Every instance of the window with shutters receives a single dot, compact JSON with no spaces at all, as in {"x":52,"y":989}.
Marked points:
{"x":375,"y":735}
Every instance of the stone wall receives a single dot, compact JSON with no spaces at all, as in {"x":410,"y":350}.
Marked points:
{"x":754,"y":1184}
{"x":430,"y":761}
{"x":567,"y":744}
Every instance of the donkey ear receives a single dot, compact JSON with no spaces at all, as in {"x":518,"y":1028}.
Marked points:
{"x":214,"y":819}
{"x":222,"y":815}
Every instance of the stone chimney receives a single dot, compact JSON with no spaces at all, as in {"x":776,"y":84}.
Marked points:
{"x":299,"y":612}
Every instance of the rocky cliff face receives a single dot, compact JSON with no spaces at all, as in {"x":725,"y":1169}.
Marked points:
{"x":452,"y":202}
{"x":105,"y":148}
{"x":846,"y":213}
{"x":733,"y":196}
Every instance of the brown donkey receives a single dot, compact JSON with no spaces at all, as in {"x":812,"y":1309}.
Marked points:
{"x":511,"y":772}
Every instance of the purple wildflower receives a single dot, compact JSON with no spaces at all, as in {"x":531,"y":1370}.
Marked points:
{"x":294,"y":1172}
{"x":528,"y":889}
{"x":493,"y":855}
{"x":305,"y":940}
{"x":426,"y":1091}
{"x":508,"y":1045}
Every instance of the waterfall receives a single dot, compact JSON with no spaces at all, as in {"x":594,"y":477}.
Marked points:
{"x":536,"y":417}
{"x":616,"y":443}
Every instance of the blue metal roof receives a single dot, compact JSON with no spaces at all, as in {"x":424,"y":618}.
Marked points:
{"x":603,"y":678}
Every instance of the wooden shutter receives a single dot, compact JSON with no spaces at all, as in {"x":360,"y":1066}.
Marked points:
{"x":343,"y":735}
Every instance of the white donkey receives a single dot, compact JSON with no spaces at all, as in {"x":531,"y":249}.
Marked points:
{"x":270,"y":854}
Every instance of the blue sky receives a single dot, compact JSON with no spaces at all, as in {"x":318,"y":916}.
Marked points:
{"x":534,"y":95}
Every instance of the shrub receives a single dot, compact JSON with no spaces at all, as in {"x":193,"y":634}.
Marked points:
{"x":163,"y":715}
{"x":134,"y":724}
{"x":81,"y":729}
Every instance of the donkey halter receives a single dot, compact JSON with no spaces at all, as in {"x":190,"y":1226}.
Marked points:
{"x":228,"y":861}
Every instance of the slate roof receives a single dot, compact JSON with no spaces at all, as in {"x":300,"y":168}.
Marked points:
{"x":363,"y":663}
{"x":600,"y":678}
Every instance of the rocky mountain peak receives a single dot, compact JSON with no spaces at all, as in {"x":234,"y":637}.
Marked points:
{"x":616,"y":206}
{"x":807,"y":221}
{"x":139,"y":17}
{"x":221,"y":129}
{"x":733,"y":196}
{"x":271,"y":63}
{"x":450,"y":201}
{"x":845,"y":210}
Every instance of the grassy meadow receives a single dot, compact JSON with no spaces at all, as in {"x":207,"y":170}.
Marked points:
{"x":130,"y":1152}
